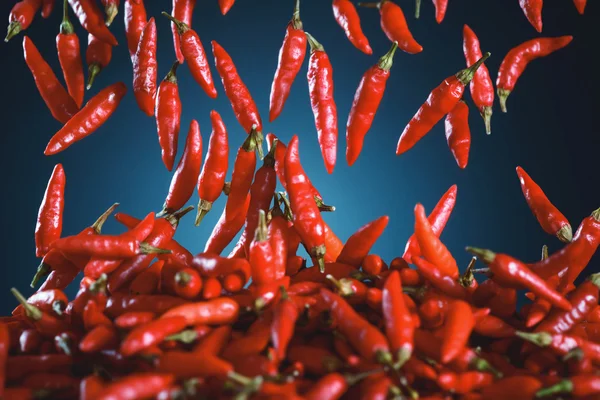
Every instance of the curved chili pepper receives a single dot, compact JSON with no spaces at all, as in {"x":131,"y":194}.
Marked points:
{"x":439,"y":103}
{"x":213,"y":312}
{"x":431,"y":246}
{"x":577,"y":386}
{"x":550,"y":218}
{"x":225,"y":5}
{"x":215,"y":166}
{"x":239,"y":96}
{"x":111,"y":9}
{"x":49,"y":221}
{"x":183,"y":11}
{"x":46,"y":324}
{"x":457,"y":329}
{"x":136,"y":386}
{"x":493,"y":327}
{"x":97,"y":57}
{"x":291,"y":57}
{"x":580,"y":5}
{"x":67,"y":47}
{"x":91,"y":19}
{"x":145,"y":69}
{"x":135,"y":21}
{"x":226,"y":228}
{"x":21,"y":16}
{"x":366,"y":102}
{"x":193,"y":52}
{"x":214,"y":342}
{"x":93,"y":115}
{"x":58,"y":101}
{"x":347,"y":18}
{"x":261,"y":254}
{"x":320,"y":87}
{"x":541,"y":307}
{"x":533,"y":11}
{"x":458,"y":133}
{"x":105,"y":246}
{"x":168,"y":117}
{"x":399,"y":327}
{"x":442,"y":281}
{"x":307,"y":217}
{"x":151,"y":333}
{"x":510,"y":272}
{"x":243,"y":171}
{"x":99,"y":338}
{"x":358,"y":245}
{"x":186,"y":175}
{"x":393,"y":24}
{"x":519,"y":57}
{"x":482,"y":89}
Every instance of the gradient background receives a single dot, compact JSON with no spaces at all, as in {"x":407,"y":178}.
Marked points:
{"x":550,"y":130}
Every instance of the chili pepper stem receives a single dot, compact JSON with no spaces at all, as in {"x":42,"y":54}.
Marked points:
{"x":322,"y":206}
{"x":595,"y":279}
{"x":466,"y":280}
{"x":502,"y":96}
{"x":93,"y":71}
{"x":13,"y":30}
{"x":565,"y":386}
{"x":466,"y":75}
{"x":487,"y":256}
{"x":32,"y":311}
{"x":66,"y":27}
{"x":319,"y":253}
{"x":261,"y":230}
{"x":481,"y":364}
{"x":62,"y":341}
{"x":177,"y":215}
{"x":99,"y":223}
{"x":226,"y":188}
{"x":565,"y":234}
{"x":296,"y":22}
{"x":111,"y":11}
{"x":417,"y":9}
{"x":314,"y":44}
{"x":544,"y":252}
{"x":182,"y":278}
{"x":99,"y":285}
{"x":404,"y":354}
{"x":486,"y":114}
{"x":575,"y":354}
{"x":541,"y":339}
{"x":42,"y":271}
{"x":171,"y":77}
{"x":203,"y":209}
{"x":387,"y":60}
{"x":343,"y":289}
{"x":239,"y":378}
{"x":384,"y":357}
{"x":145,"y":248}
{"x":58,"y":307}
{"x":187,"y":336}
{"x":181,"y":26}
{"x":371,"y":5}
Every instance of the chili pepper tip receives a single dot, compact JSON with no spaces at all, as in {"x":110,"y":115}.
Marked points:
{"x":13,"y":30}
{"x":541,"y":339}
{"x":502,"y":96}
{"x":487,"y":256}
{"x":565,"y":386}
{"x":111,"y":11}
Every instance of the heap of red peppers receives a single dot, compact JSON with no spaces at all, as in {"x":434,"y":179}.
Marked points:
{"x":151,"y":320}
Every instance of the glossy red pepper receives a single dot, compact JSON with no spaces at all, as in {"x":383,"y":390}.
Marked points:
{"x":261,"y":254}
{"x":104,"y":246}
{"x":243,"y":171}
{"x":285,"y":316}
{"x":69,"y":56}
{"x":347,"y":18}
{"x":458,"y":133}
{"x":227,"y":228}
{"x":214,"y":312}
{"x":133,"y":319}
{"x":136,"y":386}
{"x":279,"y":239}
{"x":358,"y":245}
{"x":183,"y":11}
{"x":320,"y":87}
{"x":119,"y":304}
{"x":494,"y":327}
{"x":439,"y":103}
{"x":533,"y":11}
{"x":135,"y":21}
{"x":145,"y":69}
{"x":225,"y":5}
{"x":97,"y":56}
{"x":99,"y":338}
{"x":440,"y":280}
{"x":91,"y":117}
{"x":45,"y":323}
{"x":519,"y":57}
{"x":151,"y":333}
{"x":48,"y":227}
{"x":91,"y":19}
{"x":577,"y":386}
{"x":291,"y":57}
{"x":399,"y":326}
{"x":168,"y":117}
{"x":21,"y":16}
{"x":457,"y":330}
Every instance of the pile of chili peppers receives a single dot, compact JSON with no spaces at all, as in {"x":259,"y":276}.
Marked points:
{"x":151,"y":320}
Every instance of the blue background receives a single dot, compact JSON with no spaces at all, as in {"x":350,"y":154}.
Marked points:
{"x":550,"y":130}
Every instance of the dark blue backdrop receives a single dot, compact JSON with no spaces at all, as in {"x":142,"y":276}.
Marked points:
{"x":550,"y":129}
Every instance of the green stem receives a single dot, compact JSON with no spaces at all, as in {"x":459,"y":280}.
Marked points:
{"x":99,"y":223}
{"x":181,"y":26}
{"x":466,"y":75}
{"x":487,"y":256}
{"x":314,"y":45}
{"x":387,"y":60}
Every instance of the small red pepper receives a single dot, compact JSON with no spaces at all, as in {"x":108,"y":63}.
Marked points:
{"x":21,"y":16}
{"x":183,"y":11}
{"x":46,"y":324}
{"x":458,"y":133}
{"x":399,"y":326}
{"x":145,"y":69}
{"x":49,"y":221}
{"x":261,"y":254}
{"x":214,"y":312}
{"x":136,"y":386}
{"x":135,"y":21}
{"x":97,"y":56}
{"x":168,"y":117}
{"x":99,"y":338}
{"x":151,"y":333}
{"x":347,"y":18}
{"x":282,"y":327}
{"x":90,"y":17}
{"x":533,"y":11}
{"x":227,"y":228}
{"x":69,"y":55}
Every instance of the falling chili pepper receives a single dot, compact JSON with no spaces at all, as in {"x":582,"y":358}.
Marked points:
{"x":97,"y":57}
{"x":393,"y":24}
{"x":482,"y":88}
{"x":93,"y":115}
{"x":145,"y":69}
{"x":105,"y":246}
{"x":47,"y":8}
{"x":135,"y":21}
{"x":533,"y":11}
{"x":168,"y":116}
{"x":439,"y":103}
{"x":519,"y":57}
{"x":213,"y":312}
{"x":226,"y":228}
{"x":58,"y":101}
{"x":243,"y":171}
{"x":225,"y":5}
{"x":550,"y":218}
{"x":366,"y":101}
{"x":442,"y":281}
{"x":111,"y":9}
{"x":91,"y":19}
{"x":358,"y":245}
{"x":214,"y":170}
{"x":194,"y":54}
{"x":320,"y":87}
{"x":347,"y":18}
{"x":399,"y":327}
{"x":67,"y":47}
{"x":49,"y":221}
{"x":580,"y":5}
{"x":21,"y":16}
{"x":239,"y":96}
{"x":458,"y":133}
{"x":291,"y":57}
{"x":183,"y":11}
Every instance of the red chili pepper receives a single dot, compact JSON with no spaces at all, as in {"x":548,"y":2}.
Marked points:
{"x":214,"y":170}
{"x":151,"y":333}
{"x":47,"y":8}
{"x":93,"y":115}
{"x":119,"y":304}
{"x":99,"y":338}
{"x":67,"y":47}
{"x":307,"y":217}
{"x":580,"y":5}
{"x":399,"y":327}
{"x":393,"y":24}
{"x":243,"y":105}
{"x":268,"y":293}
{"x":212,"y":288}
{"x":58,"y":101}
{"x":261,"y":254}
{"x":135,"y":21}
{"x":214,"y":312}
{"x":366,"y":102}
{"x":136,"y":386}
{"x":482,"y":89}
{"x":243,"y":171}
{"x":577,"y":386}
{"x":533,"y":11}
{"x":50,"y":301}
{"x":347,"y":18}
{"x":97,"y":56}
{"x":278,"y":235}
{"x":21,"y":16}
{"x":440,"y":280}
{"x":458,"y":133}
{"x":291,"y":57}
{"x":93,"y":316}
{"x":439,"y":103}
{"x":519,"y":57}
{"x":320,"y":87}
{"x":214,"y":342}
{"x":168,"y":117}
{"x":358,"y":245}
{"x":105,"y":246}
{"x":46,"y":324}
{"x":49,"y":221}
{"x":183,"y":10}
{"x":282,"y":329}
{"x":145,"y":69}
{"x":457,"y":330}
{"x":493,"y":327}
{"x":440,"y":10}
{"x":186,"y":365}
{"x":91,"y":19}
{"x":227,"y":228}
{"x":194,"y":54}
{"x":133,"y":319}
{"x":90,"y":387}
{"x":550,"y":218}
{"x":510,"y":272}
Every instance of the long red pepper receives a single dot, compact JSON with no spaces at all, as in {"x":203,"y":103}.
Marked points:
{"x":291,"y":57}
{"x":458,"y":133}
{"x":136,"y":386}
{"x":358,"y":245}
{"x":519,"y":57}
{"x":347,"y":18}
{"x":49,"y":221}
{"x":93,"y":115}
{"x":194,"y":54}
{"x":227,"y":228}
{"x":69,"y":55}
{"x":214,"y":312}
{"x":186,"y":175}
{"x":135,"y":21}
{"x":550,"y":218}
{"x":90,"y":17}
{"x":533,"y":11}
{"x":457,"y":330}
{"x":243,"y":171}
{"x":104,"y":246}
{"x":183,"y":11}
{"x":21,"y":16}
{"x":214,"y":170}
{"x":261,"y":254}
{"x":439,"y":103}
{"x":145,"y":69}
{"x":393,"y":24}
{"x":366,"y":101}
{"x":168,"y":116}
{"x":150,"y":334}
{"x":58,"y":101}
{"x":320,"y":88}
{"x":97,"y":56}
{"x":282,"y":328}
{"x":482,"y":88}
{"x":399,"y":326}
{"x":279,"y":238}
